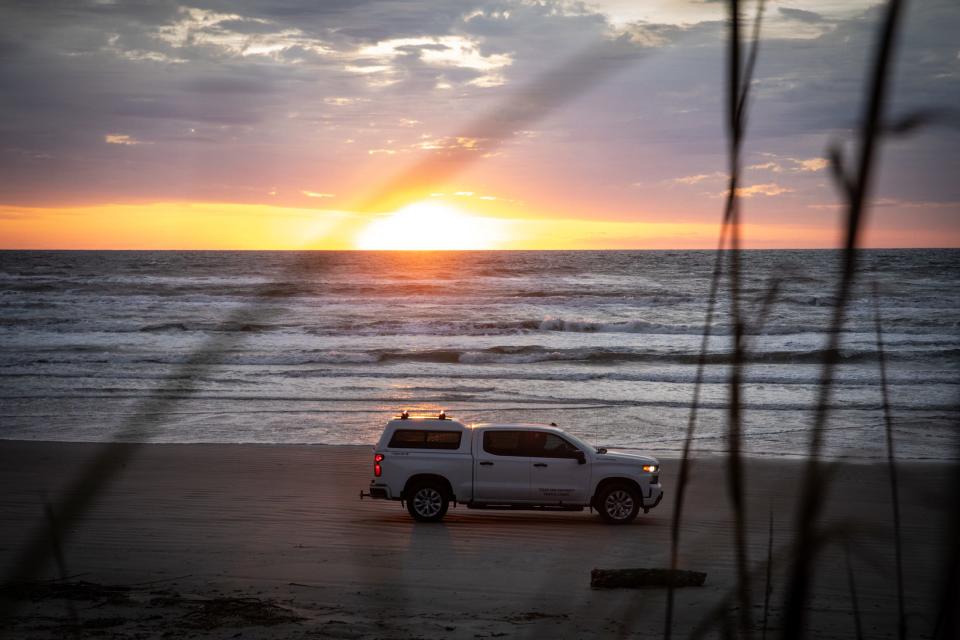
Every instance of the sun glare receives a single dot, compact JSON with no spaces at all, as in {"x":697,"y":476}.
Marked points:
{"x":425,"y":226}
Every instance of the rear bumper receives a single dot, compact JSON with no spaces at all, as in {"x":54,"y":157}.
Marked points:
{"x":377,"y":492}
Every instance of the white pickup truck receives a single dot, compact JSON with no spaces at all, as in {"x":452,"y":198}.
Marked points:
{"x":430,"y":462}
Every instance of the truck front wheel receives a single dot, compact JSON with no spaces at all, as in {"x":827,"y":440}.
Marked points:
{"x":427,"y":502}
{"x":618,"y":503}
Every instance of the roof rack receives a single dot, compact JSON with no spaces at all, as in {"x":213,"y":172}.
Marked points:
{"x":405,"y":415}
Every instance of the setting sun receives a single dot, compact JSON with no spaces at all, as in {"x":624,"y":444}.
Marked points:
{"x":431,"y":226}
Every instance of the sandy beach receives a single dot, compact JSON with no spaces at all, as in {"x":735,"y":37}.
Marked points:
{"x":253,"y":540}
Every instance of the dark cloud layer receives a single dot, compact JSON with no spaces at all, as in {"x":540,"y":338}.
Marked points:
{"x":801,"y":15}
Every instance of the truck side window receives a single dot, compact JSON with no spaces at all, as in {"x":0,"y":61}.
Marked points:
{"x":423,"y":439}
{"x":548,"y":445}
{"x":503,"y":443}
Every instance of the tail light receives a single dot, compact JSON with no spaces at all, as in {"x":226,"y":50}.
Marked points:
{"x":377,"y":459}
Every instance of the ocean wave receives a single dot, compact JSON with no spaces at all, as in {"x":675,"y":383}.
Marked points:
{"x":500,"y":403}
{"x":238,"y":373}
{"x":572,"y":325}
{"x":592,"y":326}
{"x":499,"y":355}
{"x":341,"y":324}
{"x":534,"y":354}
{"x":245,"y":327}
{"x":804,"y":377}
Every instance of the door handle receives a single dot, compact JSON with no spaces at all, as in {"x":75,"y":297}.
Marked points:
{"x":539,"y":464}
{"x":486,"y":463}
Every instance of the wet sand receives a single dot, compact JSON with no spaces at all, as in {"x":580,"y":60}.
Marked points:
{"x":272,"y":541}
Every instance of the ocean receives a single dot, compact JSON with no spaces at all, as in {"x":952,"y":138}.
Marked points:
{"x":323,"y":347}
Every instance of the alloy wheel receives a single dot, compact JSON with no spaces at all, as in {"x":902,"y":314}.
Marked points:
{"x":619,"y":504}
{"x":427,"y":502}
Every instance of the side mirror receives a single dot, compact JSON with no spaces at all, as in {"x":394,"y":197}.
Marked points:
{"x":581,"y":457}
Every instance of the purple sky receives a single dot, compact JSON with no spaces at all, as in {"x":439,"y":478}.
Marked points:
{"x":608,"y":111}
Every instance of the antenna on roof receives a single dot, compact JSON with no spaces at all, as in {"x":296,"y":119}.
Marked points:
{"x":404,"y":414}
{"x":442,"y":416}
{"x":553,"y":424}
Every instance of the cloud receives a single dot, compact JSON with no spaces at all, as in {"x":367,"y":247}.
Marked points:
{"x":122,"y":139}
{"x":449,"y":143}
{"x":470,"y":194}
{"x":648,"y":35}
{"x":790,"y":165}
{"x":452,"y":51}
{"x":236,"y":35}
{"x":316,"y":194}
{"x":812,"y":164}
{"x":698,"y":178}
{"x":342,"y":101}
{"x":915,"y":204}
{"x":800,"y":15}
{"x":767,"y":166}
{"x":768,"y":189}
{"x":895,"y":203}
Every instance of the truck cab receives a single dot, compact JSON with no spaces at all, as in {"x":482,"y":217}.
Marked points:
{"x":430,"y":462}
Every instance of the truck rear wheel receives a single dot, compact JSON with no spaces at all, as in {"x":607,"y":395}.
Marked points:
{"x":618,"y":503}
{"x":427,"y":502}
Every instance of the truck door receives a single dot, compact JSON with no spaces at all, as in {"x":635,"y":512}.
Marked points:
{"x":501,"y":467}
{"x":556,"y":474}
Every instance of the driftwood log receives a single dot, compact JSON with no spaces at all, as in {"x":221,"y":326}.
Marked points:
{"x":642,"y":578}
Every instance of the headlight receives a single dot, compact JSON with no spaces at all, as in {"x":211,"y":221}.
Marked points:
{"x":650,"y":468}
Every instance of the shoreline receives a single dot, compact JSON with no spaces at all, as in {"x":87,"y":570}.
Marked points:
{"x":696,"y":455}
{"x":282,"y":525}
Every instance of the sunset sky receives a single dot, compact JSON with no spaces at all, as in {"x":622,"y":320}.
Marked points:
{"x":336,"y":124}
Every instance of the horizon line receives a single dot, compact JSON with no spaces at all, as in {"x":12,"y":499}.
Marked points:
{"x":399,"y":251}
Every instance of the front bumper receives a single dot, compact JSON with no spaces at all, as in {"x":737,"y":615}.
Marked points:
{"x":653,"y":497}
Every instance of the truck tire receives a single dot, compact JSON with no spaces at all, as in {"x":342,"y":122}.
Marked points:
{"x":427,"y":501}
{"x":618,"y":503}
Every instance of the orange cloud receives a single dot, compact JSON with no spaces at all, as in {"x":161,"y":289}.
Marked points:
{"x":117,"y":138}
{"x":768,"y":189}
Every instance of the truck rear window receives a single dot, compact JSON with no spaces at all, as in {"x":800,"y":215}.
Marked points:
{"x":422,"y":439}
